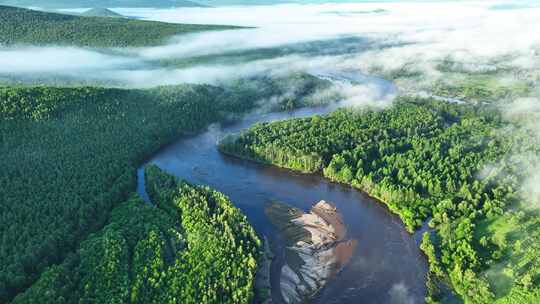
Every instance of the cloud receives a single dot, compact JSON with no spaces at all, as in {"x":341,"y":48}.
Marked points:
{"x":526,"y":111}
{"x":467,"y":26}
{"x":58,"y":59}
{"x":530,"y":188}
{"x":358,"y":89}
{"x":526,"y":107}
{"x":408,"y":36}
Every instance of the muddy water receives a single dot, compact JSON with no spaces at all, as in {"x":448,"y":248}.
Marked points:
{"x":387,"y":266}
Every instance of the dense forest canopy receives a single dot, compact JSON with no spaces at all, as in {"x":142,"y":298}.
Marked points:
{"x":58,"y":4}
{"x":19,"y":26}
{"x":79,"y":149}
{"x":427,"y":160}
{"x":193,"y":246}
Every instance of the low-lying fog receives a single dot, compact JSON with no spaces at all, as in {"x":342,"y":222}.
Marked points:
{"x":347,"y":36}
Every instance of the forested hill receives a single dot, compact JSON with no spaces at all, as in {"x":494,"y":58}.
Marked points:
{"x":23,"y":26}
{"x":56,"y":4}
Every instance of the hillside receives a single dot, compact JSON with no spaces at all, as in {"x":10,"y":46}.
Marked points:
{"x":100,"y":12}
{"x":24,"y":26}
{"x":56,"y":4}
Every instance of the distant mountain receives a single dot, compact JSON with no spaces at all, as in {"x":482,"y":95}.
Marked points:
{"x":274,"y":2}
{"x":20,"y":26}
{"x":58,"y":4}
{"x":258,"y":2}
{"x":240,"y":2}
{"x":101,"y":12}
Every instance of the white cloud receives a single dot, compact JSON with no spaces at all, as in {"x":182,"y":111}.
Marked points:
{"x":469,"y":32}
{"x":527,"y":112}
{"x":57,"y":60}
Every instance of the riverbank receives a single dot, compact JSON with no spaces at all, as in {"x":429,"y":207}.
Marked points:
{"x":262,"y":278}
{"x":307,"y":164}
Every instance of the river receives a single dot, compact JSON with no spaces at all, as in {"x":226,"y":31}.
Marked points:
{"x":387,"y":266}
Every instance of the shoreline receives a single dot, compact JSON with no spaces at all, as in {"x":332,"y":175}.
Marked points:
{"x":260,"y":161}
{"x":263,"y":285}
{"x":320,"y":173}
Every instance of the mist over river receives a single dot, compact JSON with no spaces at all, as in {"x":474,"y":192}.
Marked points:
{"x":387,"y":266}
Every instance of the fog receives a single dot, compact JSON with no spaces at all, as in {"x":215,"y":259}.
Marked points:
{"x":391,"y":36}
{"x":464,"y":30}
{"x":526,"y":111}
{"x":59,"y":60}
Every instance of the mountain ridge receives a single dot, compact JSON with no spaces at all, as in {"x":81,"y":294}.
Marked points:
{"x":59,"y":4}
{"x":20,"y":26}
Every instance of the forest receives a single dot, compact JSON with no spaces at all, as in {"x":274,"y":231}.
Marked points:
{"x":79,"y":149}
{"x":427,"y":161}
{"x":191,"y":246}
{"x":19,"y":26}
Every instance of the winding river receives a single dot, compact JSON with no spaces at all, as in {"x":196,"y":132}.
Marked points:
{"x":387,"y":266}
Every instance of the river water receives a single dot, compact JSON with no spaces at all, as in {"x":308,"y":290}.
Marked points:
{"x":387,"y":266}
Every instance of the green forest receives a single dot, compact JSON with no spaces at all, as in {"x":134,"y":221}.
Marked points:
{"x":19,"y":26}
{"x":425,"y":160}
{"x":193,"y":246}
{"x":79,"y":149}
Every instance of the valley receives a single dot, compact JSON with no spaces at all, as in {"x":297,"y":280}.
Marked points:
{"x":291,"y":152}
